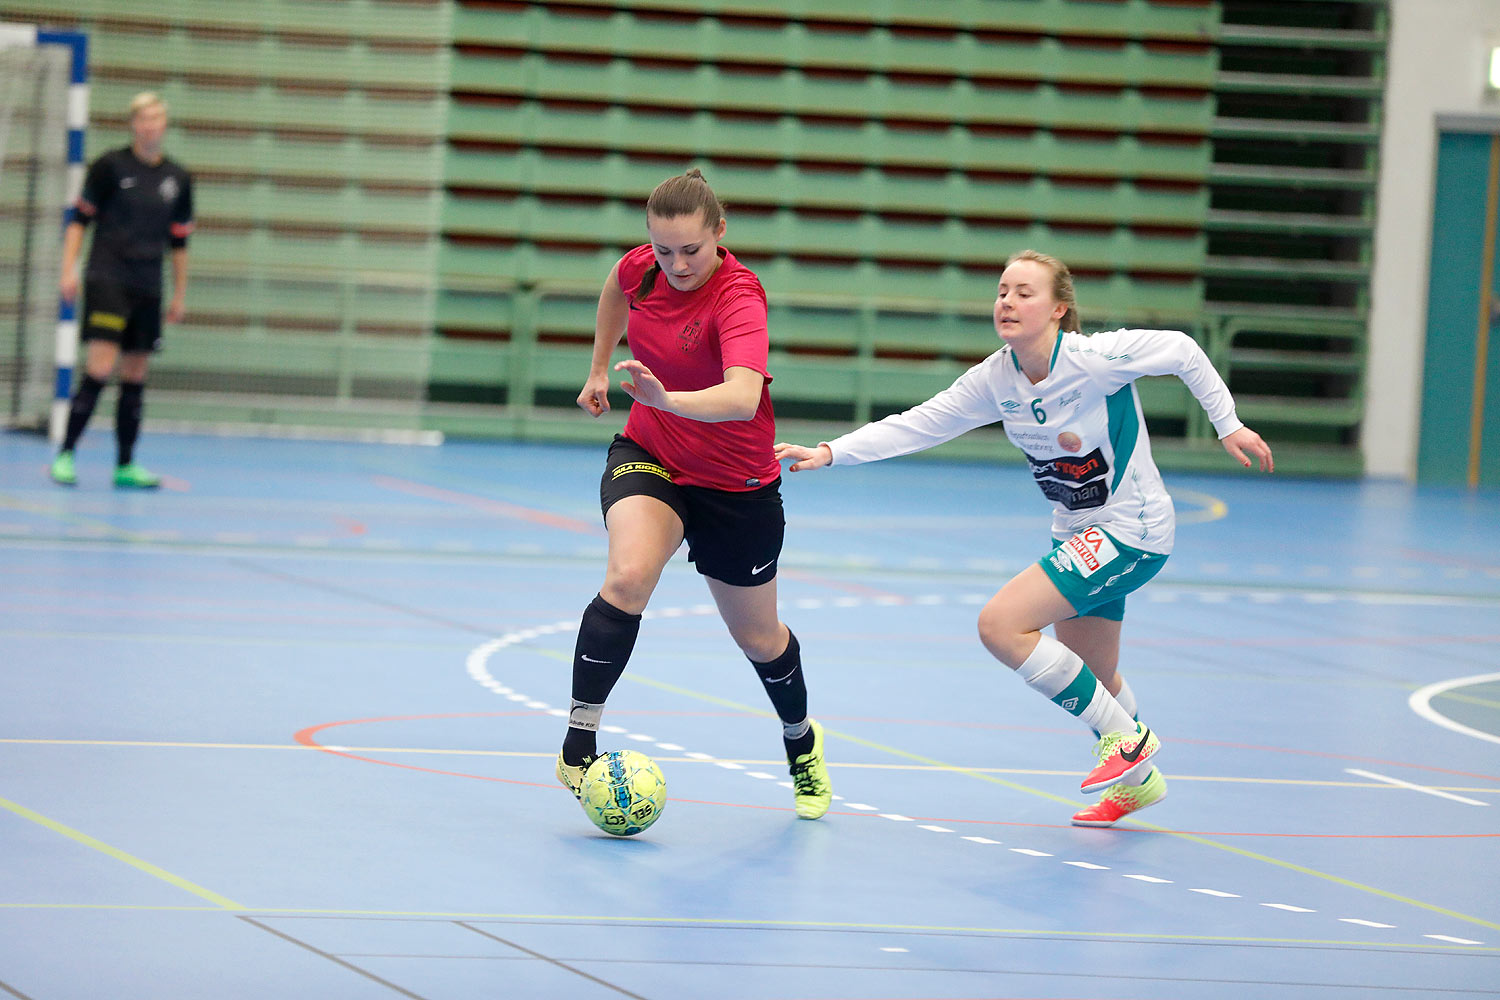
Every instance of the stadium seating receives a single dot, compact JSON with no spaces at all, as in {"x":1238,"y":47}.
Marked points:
{"x":416,"y":200}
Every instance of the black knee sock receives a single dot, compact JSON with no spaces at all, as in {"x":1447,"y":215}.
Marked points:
{"x":82,"y":409}
{"x":128,"y":419}
{"x":787,"y":688}
{"x":606,"y":638}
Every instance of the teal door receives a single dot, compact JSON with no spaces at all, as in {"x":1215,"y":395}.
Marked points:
{"x":1460,"y":436}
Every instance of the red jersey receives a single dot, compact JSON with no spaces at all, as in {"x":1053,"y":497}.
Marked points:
{"x":688,"y":340}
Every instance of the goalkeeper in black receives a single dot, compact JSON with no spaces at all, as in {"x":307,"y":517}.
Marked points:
{"x":141,"y":203}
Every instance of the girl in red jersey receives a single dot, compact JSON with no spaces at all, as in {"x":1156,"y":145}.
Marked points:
{"x":695,"y":463}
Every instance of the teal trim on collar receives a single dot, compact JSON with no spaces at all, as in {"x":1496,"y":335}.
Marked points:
{"x":1051,"y":362}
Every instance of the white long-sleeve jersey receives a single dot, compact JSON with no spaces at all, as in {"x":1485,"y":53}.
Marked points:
{"x":1080,"y":428}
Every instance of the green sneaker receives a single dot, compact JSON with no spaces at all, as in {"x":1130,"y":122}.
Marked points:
{"x":1121,"y":800}
{"x":136,"y":477}
{"x":572,"y":777}
{"x":62,"y":469}
{"x":810,"y":779}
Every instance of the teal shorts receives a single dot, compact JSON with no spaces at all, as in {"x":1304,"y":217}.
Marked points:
{"x":1095,"y":571}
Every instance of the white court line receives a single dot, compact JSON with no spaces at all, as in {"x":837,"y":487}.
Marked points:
{"x":1421,"y":703}
{"x":477,"y":670}
{"x":1416,"y":788}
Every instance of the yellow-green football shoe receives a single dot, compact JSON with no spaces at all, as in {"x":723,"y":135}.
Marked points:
{"x":1119,"y":801}
{"x":810,"y":782}
{"x":1120,"y":755}
{"x":572,"y":777}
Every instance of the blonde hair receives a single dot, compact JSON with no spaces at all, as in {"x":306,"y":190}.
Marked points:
{"x":1062,"y":285}
{"x":145,"y":99}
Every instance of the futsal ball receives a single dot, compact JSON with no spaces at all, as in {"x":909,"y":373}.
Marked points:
{"x":623,"y":792}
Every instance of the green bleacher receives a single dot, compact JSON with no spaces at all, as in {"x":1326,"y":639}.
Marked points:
{"x":406,"y":207}
{"x":1291,"y":225}
{"x":879,"y":161}
{"x":315,"y":135}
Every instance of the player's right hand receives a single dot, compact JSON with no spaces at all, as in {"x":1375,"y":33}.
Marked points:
{"x":595,"y":395}
{"x":67,"y":286}
{"x":802,"y":457}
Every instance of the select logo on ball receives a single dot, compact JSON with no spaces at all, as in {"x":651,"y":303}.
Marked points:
{"x":623,"y":792}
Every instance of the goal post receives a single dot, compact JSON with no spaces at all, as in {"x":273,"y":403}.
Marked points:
{"x":43,"y":114}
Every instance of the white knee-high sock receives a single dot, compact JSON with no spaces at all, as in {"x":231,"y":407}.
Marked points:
{"x":1126,"y":698}
{"x":1056,"y":671}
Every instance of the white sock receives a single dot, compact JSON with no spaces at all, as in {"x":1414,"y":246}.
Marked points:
{"x":1056,"y":672}
{"x":1126,"y":698}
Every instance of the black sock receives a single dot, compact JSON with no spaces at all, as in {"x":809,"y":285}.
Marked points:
{"x":606,"y":638}
{"x":82,"y":409}
{"x":787,"y":689}
{"x":128,"y":419}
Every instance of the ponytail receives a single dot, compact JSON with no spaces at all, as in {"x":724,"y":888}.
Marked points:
{"x":686,"y":194}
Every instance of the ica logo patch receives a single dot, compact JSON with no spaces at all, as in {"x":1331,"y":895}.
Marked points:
{"x":1091,"y":550}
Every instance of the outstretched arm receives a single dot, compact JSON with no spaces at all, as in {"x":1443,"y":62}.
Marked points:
{"x":803,"y":457}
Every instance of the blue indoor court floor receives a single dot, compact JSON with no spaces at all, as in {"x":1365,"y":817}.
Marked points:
{"x":286,"y":729}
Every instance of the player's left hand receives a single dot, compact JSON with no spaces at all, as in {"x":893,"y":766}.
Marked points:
{"x":646,"y":388}
{"x":175,"y":310}
{"x":1245,"y":440}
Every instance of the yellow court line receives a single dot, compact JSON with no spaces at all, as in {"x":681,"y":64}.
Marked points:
{"x":1211,"y":507}
{"x":1467,"y":699}
{"x":1037,"y":792}
{"x":747,"y":761}
{"x":738,"y":922}
{"x":119,"y":855}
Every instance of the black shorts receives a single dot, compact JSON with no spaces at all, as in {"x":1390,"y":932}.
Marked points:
{"x":732,"y":537}
{"x":123,"y":316}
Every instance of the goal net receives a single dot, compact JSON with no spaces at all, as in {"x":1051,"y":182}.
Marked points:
{"x":33,"y":193}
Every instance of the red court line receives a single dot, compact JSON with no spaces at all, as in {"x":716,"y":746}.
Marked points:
{"x":1321,"y":641}
{"x":848,"y":586}
{"x":306,"y":737}
{"x":1176,"y":740}
{"x":485,"y":504}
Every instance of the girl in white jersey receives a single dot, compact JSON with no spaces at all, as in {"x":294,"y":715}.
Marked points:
{"x":1069,"y":403}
